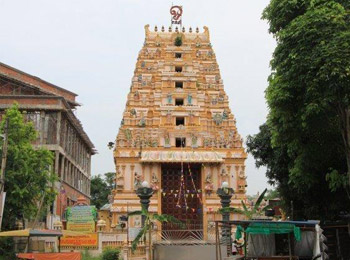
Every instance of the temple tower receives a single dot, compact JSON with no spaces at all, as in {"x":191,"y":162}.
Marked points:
{"x":178,"y":132}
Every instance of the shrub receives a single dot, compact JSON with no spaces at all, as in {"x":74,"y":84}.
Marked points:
{"x":7,"y":248}
{"x":86,"y":256}
{"x":110,"y":254}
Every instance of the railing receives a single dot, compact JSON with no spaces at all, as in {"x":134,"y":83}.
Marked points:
{"x":113,"y":244}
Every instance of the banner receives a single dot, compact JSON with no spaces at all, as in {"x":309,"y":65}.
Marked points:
{"x":81,"y":218}
{"x":88,"y":240}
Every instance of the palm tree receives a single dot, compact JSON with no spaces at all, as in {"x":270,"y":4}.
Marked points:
{"x":148,"y":224}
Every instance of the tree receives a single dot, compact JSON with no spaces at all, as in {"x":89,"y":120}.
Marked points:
{"x":29,"y":175}
{"x":271,"y":194}
{"x":309,"y":97}
{"x":309,"y":200}
{"x":110,"y":180}
{"x":309,"y":89}
{"x":101,"y":188}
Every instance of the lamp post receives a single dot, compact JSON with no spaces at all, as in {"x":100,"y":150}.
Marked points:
{"x":145,"y":192}
{"x":225,"y":193}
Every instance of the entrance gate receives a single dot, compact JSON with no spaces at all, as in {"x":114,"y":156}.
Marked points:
{"x":181,"y":197}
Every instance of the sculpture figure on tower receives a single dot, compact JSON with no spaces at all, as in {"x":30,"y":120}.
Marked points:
{"x":189,"y":99}
{"x":137,"y":181}
{"x":170,"y":99}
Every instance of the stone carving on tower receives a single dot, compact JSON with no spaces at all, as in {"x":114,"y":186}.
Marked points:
{"x":177,"y":116}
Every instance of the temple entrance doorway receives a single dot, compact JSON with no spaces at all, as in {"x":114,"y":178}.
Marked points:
{"x":182,"y":198}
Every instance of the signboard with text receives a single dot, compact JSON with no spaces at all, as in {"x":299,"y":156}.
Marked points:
{"x":81,"y":218}
{"x":88,"y":240}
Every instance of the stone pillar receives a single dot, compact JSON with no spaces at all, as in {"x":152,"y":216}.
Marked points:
{"x":125,"y":251}
{"x":100,"y":242}
{"x":132,"y":176}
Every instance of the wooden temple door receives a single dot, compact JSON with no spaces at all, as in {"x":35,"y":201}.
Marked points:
{"x":181,"y":195}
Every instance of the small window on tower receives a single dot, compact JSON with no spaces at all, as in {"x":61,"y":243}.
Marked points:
{"x":179,"y":102}
{"x":178,"y":55}
{"x":180,"y":142}
{"x":178,"y":69}
{"x":179,"y":84}
{"x":180,"y":121}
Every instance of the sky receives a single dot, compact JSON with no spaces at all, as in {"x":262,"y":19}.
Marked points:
{"x":90,"y":47}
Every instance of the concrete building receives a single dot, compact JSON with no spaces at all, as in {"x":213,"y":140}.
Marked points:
{"x":51,"y":109}
{"x":178,"y":132}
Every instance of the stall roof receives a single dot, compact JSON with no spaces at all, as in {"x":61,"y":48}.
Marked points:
{"x":278,"y":227}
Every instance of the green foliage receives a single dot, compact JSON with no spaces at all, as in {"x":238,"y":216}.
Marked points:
{"x":280,"y":13}
{"x":336,"y":180}
{"x":167,"y":219}
{"x":110,"y":254}
{"x":271,"y":194}
{"x":29,"y":175}
{"x":248,"y":212}
{"x":310,"y":200}
{"x":7,"y":250}
{"x":101,"y":188}
{"x":87,"y":256}
{"x":110,"y":179}
{"x":309,"y":89}
{"x":178,"y":41}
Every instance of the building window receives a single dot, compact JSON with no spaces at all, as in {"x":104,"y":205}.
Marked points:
{"x":180,"y":142}
{"x":178,"y":68}
{"x":179,"y":84}
{"x":179,"y":102}
{"x":180,"y":121}
{"x":178,"y":55}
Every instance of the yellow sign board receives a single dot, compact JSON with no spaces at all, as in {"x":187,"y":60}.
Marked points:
{"x":88,"y":240}
{"x":88,"y":226}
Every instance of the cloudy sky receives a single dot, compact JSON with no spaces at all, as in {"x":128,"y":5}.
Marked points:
{"x":90,"y":47}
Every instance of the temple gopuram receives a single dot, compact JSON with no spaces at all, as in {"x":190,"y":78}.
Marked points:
{"x":178,"y":132}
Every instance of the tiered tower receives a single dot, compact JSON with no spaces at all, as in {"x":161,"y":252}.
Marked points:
{"x":177,"y":132}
